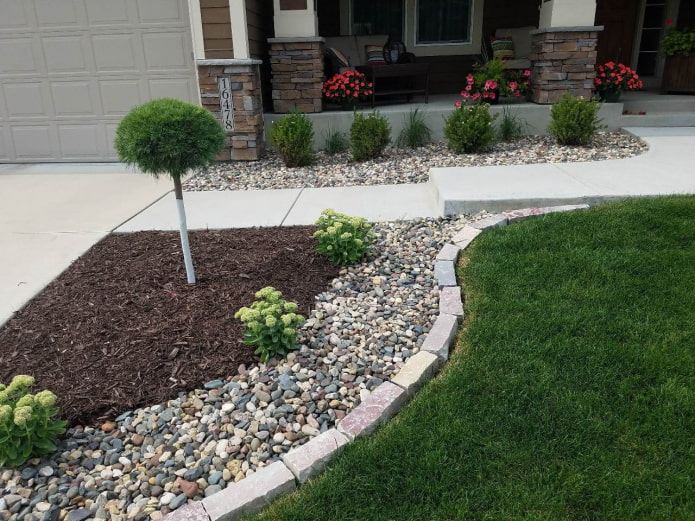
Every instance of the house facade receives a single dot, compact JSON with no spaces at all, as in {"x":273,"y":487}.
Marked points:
{"x":71,"y":69}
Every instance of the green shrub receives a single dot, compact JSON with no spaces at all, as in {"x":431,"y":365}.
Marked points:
{"x":293,"y":137}
{"x":168,"y":136}
{"x":271,"y":324}
{"x":343,"y":239}
{"x":415,"y":132}
{"x":336,"y":142}
{"x":469,"y":129}
{"x":369,"y":136}
{"x":26,"y":427}
{"x":574,"y":121}
{"x":511,"y":126}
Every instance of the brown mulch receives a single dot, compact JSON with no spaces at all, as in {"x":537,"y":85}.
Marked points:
{"x":121,"y":328}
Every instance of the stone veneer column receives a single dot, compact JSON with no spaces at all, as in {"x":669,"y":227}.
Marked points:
{"x":562,"y":59}
{"x":296,"y":66}
{"x":245,"y":140}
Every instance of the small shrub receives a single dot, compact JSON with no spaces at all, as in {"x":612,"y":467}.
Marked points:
{"x":343,"y":239}
{"x":369,"y":136}
{"x":271,"y":324}
{"x":416,"y":132}
{"x":336,"y":142}
{"x":26,"y":427}
{"x":511,"y":126}
{"x":574,"y":121}
{"x":469,"y":129}
{"x":293,"y":137}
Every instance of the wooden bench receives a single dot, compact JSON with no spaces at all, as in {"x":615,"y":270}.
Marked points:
{"x":414,"y":71}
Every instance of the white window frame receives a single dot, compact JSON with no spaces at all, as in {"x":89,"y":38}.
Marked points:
{"x":471,"y":20}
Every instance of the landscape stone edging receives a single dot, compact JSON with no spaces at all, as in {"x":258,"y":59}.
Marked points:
{"x":307,"y":461}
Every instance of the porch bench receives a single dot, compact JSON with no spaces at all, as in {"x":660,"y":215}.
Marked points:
{"x":416,"y":71}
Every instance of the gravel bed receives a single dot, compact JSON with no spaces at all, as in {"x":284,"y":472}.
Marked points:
{"x":151,"y":461}
{"x":404,"y":165}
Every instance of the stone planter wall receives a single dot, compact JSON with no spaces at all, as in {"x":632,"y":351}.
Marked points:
{"x":244,"y":126}
{"x":296,"y":66}
{"x":562,"y":59}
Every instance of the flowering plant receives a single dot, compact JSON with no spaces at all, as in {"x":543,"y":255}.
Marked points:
{"x":612,"y":78}
{"x":677,"y":41}
{"x":492,"y":80}
{"x":271,"y":324}
{"x":26,"y":425}
{"x":342,"y":238}
{"x":347,"y":86}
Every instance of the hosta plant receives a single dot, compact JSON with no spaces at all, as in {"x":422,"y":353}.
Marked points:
{"x":342,"y":238}
{"x":270,"y":324}
{"x":27,"y":427}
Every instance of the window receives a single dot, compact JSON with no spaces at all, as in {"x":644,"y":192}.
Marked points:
{"x":443,"y":21}
{"x":378,"y":17}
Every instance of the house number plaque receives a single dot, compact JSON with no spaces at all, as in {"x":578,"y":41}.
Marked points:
{"x":226,"y":105}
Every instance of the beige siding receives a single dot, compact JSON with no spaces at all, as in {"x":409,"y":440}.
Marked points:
{"x":217,"y":30}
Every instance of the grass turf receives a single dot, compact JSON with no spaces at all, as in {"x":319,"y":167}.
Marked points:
{"x":570,"y":395}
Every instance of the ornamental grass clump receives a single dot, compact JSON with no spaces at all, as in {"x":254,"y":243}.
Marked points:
{"x":574,"y":121}
{"x":293,"y":137}
{"x":271,"y":324}
{"x":369,"y":136}
{"x":342,"y":238}
{"x":27,"y":429}
{"x":469,"y":129}
{"x":415,"y":132}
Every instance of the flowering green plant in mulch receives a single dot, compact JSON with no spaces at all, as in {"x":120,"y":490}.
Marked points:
{"x":677,"y":41}
{"x":614,"y":78}
{"x":271,"y":324}
{"x":26,"y":426}
{"x":342,"y":238}
{"x":492,"y":80}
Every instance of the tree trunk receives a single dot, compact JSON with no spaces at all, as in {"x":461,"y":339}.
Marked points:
{"x":183,"y":230}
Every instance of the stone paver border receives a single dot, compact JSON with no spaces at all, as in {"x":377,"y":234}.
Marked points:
{"x":307,"y":461}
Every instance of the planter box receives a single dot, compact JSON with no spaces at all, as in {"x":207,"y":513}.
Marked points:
{"x":679,"y":74}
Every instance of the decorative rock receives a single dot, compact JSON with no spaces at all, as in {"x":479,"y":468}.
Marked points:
{"x":178,"y":501}
{"x":445,"y":273}
{"x":441,"y":336}
{"x":310,"y":459}
{"x":383,"y":403}
{"x":417,"y":370}
{"x":190,"y":512}
{"x":251,"y":494}
{"x":46,"y":471}
{"x":79,"y":515}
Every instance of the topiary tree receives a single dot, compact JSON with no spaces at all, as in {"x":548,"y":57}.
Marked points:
{"x":169,"y":136}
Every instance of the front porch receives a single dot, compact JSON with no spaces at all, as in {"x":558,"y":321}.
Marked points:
{"x":659,"y":110}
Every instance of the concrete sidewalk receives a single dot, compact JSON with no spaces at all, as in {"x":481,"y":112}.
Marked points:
{"x":52,"y":214}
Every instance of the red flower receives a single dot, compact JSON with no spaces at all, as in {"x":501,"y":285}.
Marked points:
{"x":669,"y":23}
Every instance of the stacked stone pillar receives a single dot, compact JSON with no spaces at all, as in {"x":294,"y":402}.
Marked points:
{"x":563,"y":59}
{"x":296,"y":65}
{"x":242,"y":87}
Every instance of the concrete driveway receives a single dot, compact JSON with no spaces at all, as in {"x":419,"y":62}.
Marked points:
{"x":52,"y":214}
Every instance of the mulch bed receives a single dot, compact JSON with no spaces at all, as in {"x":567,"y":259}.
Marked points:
{"x":121,"y":328}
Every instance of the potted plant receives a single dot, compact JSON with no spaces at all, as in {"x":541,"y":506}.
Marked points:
{"x":678,"y":45}
{"x":491,"y":81}
{"x":614,"y":78}
{"x":347,"y":88}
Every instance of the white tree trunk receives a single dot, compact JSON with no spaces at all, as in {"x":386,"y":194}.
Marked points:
{"x":183,"y":229}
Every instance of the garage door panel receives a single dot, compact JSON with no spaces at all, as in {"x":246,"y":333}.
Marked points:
{"x":160,"y":11}
{"x":65,"y":54}
{"x":119,"y":96}
{"x":116,"y":53}
{"x":34,"y":143}
{"x":16,"y":14}
{"x":80,"y":142}
{"x":169,"y":88}
{"x":110,"y":128}
{"x":4,"y":143}
{"x":107,"y":12}
{"x":73,"y":98}
{"x":165,"y":51}
{"x":18,"y":56}
{"x":26,"y":100}
{"x":59,"y":13}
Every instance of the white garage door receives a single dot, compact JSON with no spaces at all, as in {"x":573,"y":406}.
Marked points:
{"x":70,"y":70}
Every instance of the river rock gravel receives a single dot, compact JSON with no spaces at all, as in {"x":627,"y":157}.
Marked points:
{"x":400,"y":166}
{"x":148,"y":462}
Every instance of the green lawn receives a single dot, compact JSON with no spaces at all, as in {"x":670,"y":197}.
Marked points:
{"x":570,"y":394}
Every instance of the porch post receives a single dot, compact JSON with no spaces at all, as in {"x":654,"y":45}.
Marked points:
{"x":563,"y":55}
{"x":296,"y":57}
